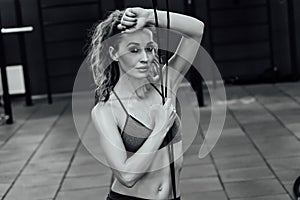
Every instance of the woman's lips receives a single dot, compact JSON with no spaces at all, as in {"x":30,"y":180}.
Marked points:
{"x":143,"y":68}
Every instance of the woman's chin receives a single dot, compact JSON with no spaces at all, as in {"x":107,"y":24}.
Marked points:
{"x":142,"y":75}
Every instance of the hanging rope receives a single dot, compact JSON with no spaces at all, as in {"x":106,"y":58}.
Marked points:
{"x":170,"y":147}
{"x":296,"y":188}
{"x":167,"y":52}
{"x":164,"y":90}
{"x":154,"y":3}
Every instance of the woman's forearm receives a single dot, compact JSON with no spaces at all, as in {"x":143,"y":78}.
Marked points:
{"x":187,"y":25}
{"x":138,"y":164}
{"x":126,"y":170}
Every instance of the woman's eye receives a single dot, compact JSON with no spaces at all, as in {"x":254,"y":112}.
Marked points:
{"x":149,"y":49}
{"x":134,"y":50}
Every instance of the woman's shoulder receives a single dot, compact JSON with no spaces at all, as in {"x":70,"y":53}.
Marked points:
{"x":101,"y":109}
{"x":103,"y":119}
{"x":104,"y":108}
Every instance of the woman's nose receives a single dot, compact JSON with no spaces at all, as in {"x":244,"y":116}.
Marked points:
{"x":145,"y":56}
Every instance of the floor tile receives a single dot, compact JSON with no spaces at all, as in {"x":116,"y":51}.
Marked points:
{"x":193,"y":159}
{"x":200,"y":185}
{"x":279,"y":146}
{"x":195,"y":171}
{"x":89,"y":169}
{"x":233,"y":150}
{"x":214,"y":195}
{"x":85,"y":182}
{"x":39,"y":180}
{"x":3,"y":188}
{"x":45,"y":167}
{"x":236,"y":162}
{"x":92,"y":193}
{"x":21,"y":193}
{"x":266,"y":129}
{"x":241,"y":166}
{"x":287,"y":169}
{"x":245,"y":174}
{"x":253,"y":188}
{"x":271,"y":197}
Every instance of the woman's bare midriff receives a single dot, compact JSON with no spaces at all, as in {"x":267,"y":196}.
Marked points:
{"x":156,"y":184}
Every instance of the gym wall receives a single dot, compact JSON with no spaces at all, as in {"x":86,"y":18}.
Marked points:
{"x":236,"y":34}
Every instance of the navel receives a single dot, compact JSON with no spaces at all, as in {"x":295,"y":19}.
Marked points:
{"x":160,"y":187}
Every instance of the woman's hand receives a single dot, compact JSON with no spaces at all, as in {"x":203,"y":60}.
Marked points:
{"x":163,"y":117}
{"x":133,"y":19}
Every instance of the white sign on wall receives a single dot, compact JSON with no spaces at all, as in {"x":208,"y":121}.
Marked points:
{"x":15,"y":80}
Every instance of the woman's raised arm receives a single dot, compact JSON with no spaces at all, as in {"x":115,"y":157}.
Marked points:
{"x":190,"y":27}
{"x":192,"y":31}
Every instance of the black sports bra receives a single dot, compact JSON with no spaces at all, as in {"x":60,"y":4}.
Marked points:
{"x":135,"y":133}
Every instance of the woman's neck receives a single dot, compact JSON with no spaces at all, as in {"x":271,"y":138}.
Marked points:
{"x":128,"y":86}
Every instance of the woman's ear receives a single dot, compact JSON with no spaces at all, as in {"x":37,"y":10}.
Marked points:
{"x":113,"y":53}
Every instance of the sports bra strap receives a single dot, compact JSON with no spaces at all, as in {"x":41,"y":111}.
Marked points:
{"x":123,"y":104}
{"x":120,"y":102}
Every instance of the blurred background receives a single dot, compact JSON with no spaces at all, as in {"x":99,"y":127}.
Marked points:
{"x":250,"y":41}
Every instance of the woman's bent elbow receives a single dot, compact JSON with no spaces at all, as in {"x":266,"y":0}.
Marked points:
{"x":201,"y":28}
{"x":203,"y":25}
{"x":200,"y":31}
{"x":128,"y":180}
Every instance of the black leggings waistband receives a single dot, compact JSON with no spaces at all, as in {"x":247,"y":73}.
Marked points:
{"x":117,"y":196}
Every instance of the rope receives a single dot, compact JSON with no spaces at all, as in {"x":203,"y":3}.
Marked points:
{"x":170,"y":146}
{"x":170,"y":149}
{"x":296,"y":188}
{"x":154,"y":2}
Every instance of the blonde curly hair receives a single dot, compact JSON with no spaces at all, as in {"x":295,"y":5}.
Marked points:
{"x":105,"y":70}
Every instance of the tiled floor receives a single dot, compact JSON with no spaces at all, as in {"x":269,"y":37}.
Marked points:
{"x":256,"y":158}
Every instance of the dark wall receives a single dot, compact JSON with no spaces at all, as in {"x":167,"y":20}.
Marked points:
{"x":249,"y":39}
{"x":296,"y":16}
{"x":66,"y":24}
{"x":33,"y":41}
{"x":240,"y":37}
{"x":236,"y":34}
{"x":280,"y":33}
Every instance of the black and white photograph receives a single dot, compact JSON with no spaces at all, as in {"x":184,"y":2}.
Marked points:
{"x":149,"y":100}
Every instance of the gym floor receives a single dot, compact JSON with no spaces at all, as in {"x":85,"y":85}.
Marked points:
{"x":256,"y":157}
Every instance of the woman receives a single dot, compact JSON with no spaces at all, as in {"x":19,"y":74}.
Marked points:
{"x":134,"y":143}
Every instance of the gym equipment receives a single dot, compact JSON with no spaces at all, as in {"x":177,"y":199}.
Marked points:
{"x":20,"y":30}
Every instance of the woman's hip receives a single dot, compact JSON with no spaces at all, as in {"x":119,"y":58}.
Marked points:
{"x":117,"y":196}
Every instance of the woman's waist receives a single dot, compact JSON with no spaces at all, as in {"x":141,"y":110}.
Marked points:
{"x":153,"y":185}
{"x":117,"y":196}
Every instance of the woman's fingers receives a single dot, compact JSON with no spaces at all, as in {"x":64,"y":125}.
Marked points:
{"x":171,"y":121}
{"x":163,"y":115}
{"x":129,"y":30}
{"x":129,"y":19}
{"x":172,"y":115}
{"x":167,"y":103}
{"x":168,"y":106}
{"x":133,"y":19}
{"x":129,"y":12}
{"x":128,"y":23}
{"x":121,"y":27}
{"x":172,"y":118}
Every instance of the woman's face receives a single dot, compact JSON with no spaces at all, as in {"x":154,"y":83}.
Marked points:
{"x":135,"y":53}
